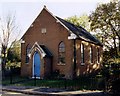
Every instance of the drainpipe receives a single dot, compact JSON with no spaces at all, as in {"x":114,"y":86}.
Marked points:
{"x":73,"y":37}
{"x":74,"y":58}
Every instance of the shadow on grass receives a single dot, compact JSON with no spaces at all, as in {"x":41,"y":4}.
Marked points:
{"x":14,"y":80}
{"x":77,"y":84}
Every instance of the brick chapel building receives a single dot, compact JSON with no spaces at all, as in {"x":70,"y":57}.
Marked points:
{"x":53,"y":44}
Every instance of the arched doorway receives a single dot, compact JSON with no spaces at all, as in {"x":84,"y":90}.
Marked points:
{"x":36,"y":64}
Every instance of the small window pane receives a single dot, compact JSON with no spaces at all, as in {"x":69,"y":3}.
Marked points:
{"x":27,"y":51}
{"x":82,"y":53}
{"x":98,"y":56}
{"x":61,"y":53}
{"x":43,"y":30}
{"x":91,"y":54}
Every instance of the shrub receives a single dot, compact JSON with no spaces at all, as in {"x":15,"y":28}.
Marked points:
{"x":116,"y":87}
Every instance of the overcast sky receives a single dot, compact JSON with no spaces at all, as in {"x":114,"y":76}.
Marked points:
{"x":27,"y":10}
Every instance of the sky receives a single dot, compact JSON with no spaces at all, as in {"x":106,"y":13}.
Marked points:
{"x":27,"y":10}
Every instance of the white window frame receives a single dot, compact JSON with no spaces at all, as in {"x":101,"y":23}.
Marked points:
{"x":43,"y":30}
{"x":82,"y":54}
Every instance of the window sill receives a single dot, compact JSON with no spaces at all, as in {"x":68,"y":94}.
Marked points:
{"x":91,"y":63}
{"x":82,"y":64}
{"x":36,"y":77}
{"x":61,"y":64}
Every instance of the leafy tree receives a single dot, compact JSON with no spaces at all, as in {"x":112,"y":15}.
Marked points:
{"x":14,"y":53}
{"x":8,"y":35}
{"x":105,"y":21}
{"x":82,"y":20}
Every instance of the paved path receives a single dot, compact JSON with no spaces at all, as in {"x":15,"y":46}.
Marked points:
{"x":4,"y":93}
{"x":51,"y":91}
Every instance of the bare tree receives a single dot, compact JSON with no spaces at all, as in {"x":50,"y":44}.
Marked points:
{"x":8,"y":35}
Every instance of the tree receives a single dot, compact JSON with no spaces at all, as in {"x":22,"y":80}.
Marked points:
{"x":105,"y":21}
{"x":82,"y":20}
{"x":8,"y":35}
{"x":14,"y":53}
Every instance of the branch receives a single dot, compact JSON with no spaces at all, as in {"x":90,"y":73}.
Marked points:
{"x":108,"y":43}
{"x":113,"y":29}
{"x":13,"y":43}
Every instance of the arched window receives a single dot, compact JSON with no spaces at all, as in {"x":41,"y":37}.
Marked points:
{"x":98,"y":55}
{"x":82,"y":54}
{"x":61,"y":53}
{"x":28,"y":47}
{"x":91,"y":54}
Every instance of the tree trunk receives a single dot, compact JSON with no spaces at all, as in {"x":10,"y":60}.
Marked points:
{"x":115,"y":47}
{"x":119,"y":44}
{"x":3,"y":61}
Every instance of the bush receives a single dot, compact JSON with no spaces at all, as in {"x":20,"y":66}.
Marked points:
{"x":13,"y":71}
{"x":16,"y":71}
{"x":56,"y":75}
{"x":116,"y":87}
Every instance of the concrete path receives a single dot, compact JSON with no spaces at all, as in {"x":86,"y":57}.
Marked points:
{"x":51,"y":91}
{"x":5,"y":93}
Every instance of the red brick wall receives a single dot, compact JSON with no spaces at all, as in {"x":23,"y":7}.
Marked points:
{"x":88,"y":67}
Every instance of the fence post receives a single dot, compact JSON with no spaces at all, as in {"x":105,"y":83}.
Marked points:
{"x":65,"y":81}
{"x":105,"y":80}
{"x":35,"y":80}
{"x":11,"y":75}
{"x":105,"y":84}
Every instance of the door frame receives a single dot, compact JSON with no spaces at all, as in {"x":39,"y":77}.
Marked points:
{"x":33,"y":68}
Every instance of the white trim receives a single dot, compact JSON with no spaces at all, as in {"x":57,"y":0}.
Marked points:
{"x":33,"y":66}
{"x":22,"y":41}
{"x":82,"y":63}
{"x":91,"y":63}
{"x":43,"y":54}
{"x":61,"y":64}
{"x":57,"y":20}
{"x":36,"y":77}
{"x":72,"y":36}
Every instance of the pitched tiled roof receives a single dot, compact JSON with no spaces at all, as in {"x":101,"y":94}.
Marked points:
{"x":45,"y":49}
{"x":80,"y":32}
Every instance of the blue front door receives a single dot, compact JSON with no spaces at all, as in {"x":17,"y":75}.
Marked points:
{"x":36,"y":65}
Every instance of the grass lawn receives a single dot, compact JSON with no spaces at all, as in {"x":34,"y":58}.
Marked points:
{"x":43,"y":83}
{"x":13,"y":80}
